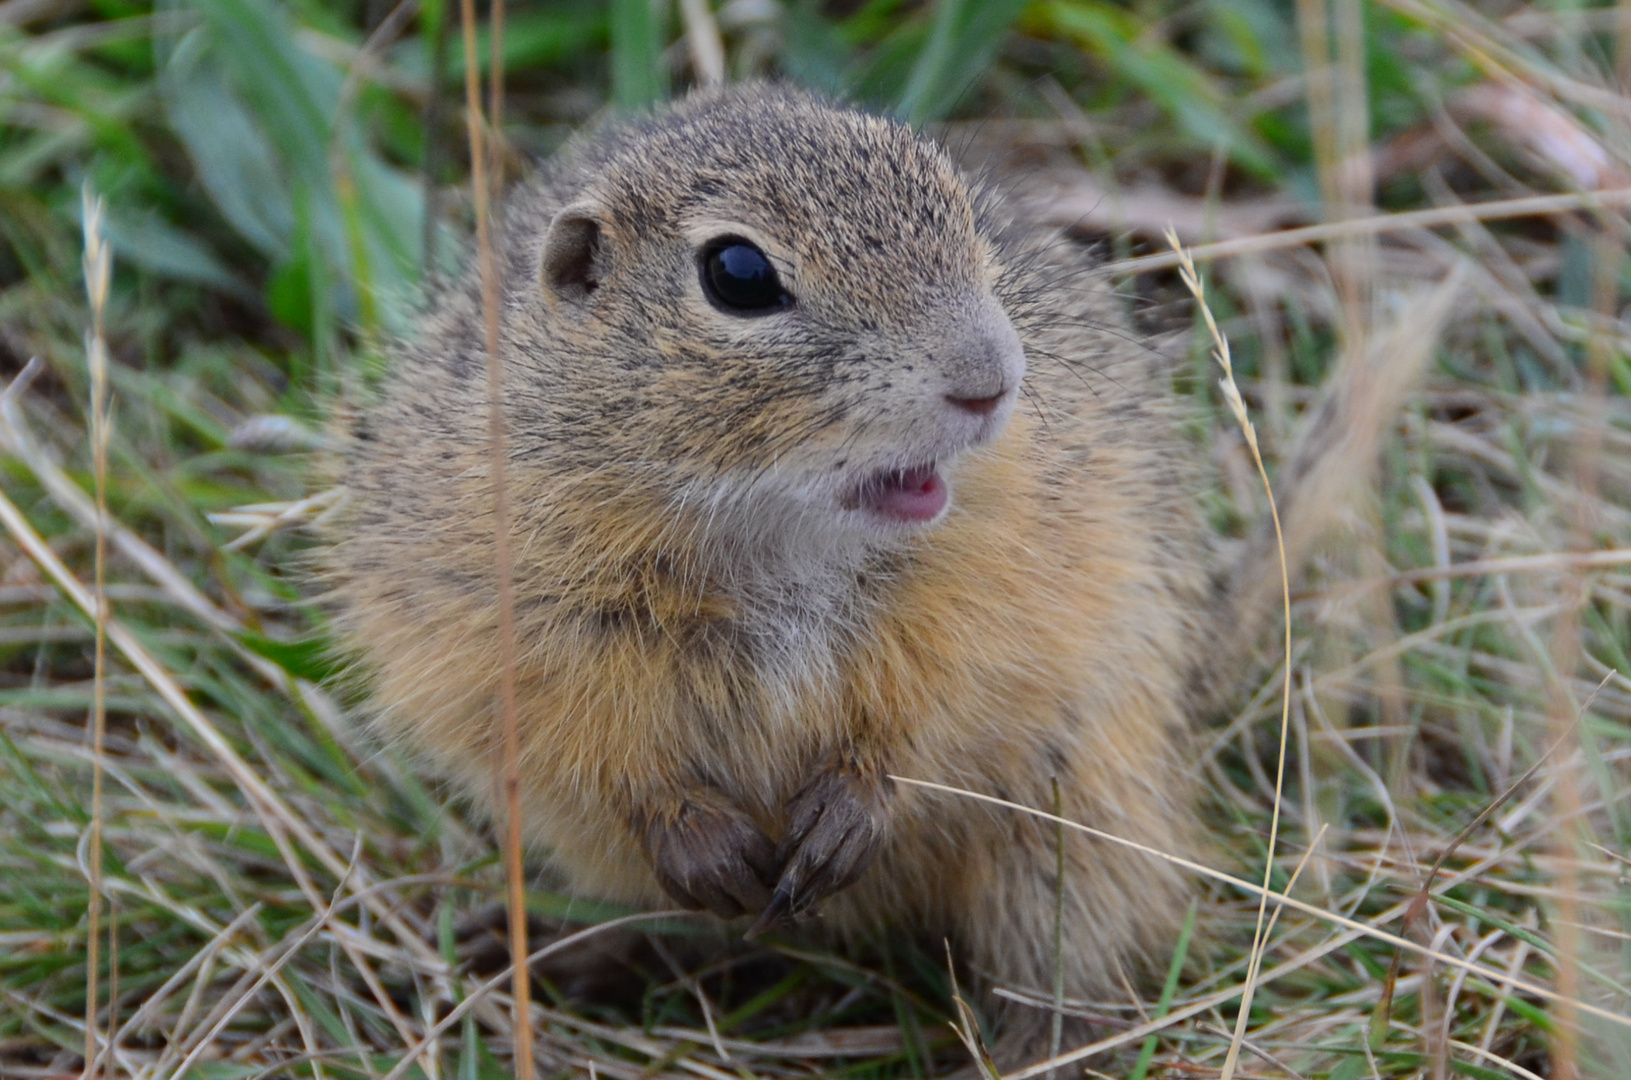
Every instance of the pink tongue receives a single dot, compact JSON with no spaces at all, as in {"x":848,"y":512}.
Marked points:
{"x":909,"y":495}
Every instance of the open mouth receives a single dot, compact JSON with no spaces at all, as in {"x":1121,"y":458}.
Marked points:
{"x":908,"y":496}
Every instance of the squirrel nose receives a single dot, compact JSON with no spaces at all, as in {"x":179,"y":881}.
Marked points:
{"x":980,"y":406}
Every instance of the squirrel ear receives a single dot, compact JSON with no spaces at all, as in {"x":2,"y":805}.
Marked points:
{"x":574,"y":259}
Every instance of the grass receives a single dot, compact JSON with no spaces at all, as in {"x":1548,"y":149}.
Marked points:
{"x":279,"y":896}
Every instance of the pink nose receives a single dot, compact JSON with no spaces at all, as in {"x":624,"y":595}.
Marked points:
{"x":978,"y":406}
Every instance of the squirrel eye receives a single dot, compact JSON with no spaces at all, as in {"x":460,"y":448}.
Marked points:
{"x":739,"y":279}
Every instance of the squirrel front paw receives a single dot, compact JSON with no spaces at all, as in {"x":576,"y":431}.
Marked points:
{"x":710,"y":856}
{"x":835,"y":825}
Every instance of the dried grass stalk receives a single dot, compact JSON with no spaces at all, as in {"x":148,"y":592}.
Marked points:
{"x":1231,"y":397}
{"x":507,"y":766}
{"x":98,"y":265}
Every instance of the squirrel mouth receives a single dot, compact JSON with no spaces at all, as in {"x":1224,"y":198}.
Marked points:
{"x":908,"y":496}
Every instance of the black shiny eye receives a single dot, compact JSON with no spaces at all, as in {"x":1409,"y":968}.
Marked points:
{"x":739,"y":279}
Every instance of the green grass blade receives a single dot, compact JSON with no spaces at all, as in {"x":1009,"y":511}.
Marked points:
{"x":964,"y":36}
{"x":639,"y":78}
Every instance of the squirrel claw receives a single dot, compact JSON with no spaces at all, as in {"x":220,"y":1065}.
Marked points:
{"x":835,"y":826}
{"x":774,"y":915}
{"x":710,"y":856}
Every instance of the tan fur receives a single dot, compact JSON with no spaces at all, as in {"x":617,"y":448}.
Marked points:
{"x":698,"y":628}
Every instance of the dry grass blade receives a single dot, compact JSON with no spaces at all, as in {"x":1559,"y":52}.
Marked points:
{"x":1517,"y":564}
{"x":98,"y":265}
{"x":204,"y":1041}
{"x":1231,"y":395}
{"x":260,"y":520}
{"x":703,"y":40}
{"x":1418,"y":904}
{"x":508,"y":764}
{"x":1057,"y":1033}
{"x":1334,"y":455}
{"x":1437,"y":217}
{"x":485,"y":988}
{"x":17,"y":441}
{"x":1296,"y":872}
{"x":279,"y":818}
{"x":203,"y":956}
{"x":1373,"y":932}
{"x":967,"y":1027}
{"x":494,"y":125}
{"x":280,"y":821}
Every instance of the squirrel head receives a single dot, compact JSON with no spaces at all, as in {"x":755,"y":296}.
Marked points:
{"x":776,"y":306}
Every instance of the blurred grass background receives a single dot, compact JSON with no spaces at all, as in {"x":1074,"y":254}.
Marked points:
{"x":282,"y":178}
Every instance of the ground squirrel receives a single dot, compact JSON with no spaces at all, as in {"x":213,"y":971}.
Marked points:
{"x":824,"y":466}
